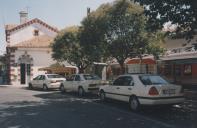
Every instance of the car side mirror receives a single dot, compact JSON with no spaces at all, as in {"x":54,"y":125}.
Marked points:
{"x":132,"y":83}
{"x":110,"y":82}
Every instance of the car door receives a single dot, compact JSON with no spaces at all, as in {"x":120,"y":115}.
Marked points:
{"x":69,"y":83}
{"x":41,"y":81}
{"x":76,"y":82}
{"x":35,"y":81}
{"x":125,"y":87}
{"x":112,"y":90}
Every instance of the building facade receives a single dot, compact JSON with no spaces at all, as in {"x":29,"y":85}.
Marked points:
{"x":28,"y":48}
{"x":179,"y":64}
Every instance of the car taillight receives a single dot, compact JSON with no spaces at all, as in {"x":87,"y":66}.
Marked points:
{"x":153,"y":91}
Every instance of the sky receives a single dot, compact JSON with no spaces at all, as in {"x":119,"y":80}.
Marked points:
{"x":58,"y":13}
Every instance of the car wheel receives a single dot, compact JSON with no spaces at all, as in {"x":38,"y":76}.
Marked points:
{"x":134,"y":103}
{"x":45,"y":88}
{"x":102,"y":95}
{"x":30,"y":86}
{"x":62,"y":89}
{"x":80,"y":92}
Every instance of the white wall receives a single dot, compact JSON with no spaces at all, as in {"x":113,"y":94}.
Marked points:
{"x":27,"y":33}
{"x":41,"y":56}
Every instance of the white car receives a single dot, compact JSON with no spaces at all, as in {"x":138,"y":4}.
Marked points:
{"x":81,"y":83}
{"x":142,"y":89}
{"x":46,"y":81}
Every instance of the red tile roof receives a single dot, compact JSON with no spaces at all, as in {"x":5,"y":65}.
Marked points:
{"x":14,"y":27}
{"x":144,"y":61}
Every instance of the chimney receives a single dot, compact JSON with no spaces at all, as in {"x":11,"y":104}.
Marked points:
{"x":23,"y":17}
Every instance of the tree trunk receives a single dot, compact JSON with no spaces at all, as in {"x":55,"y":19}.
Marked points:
{"x":122,"y":69}
{"x":81,"y":70}
{"x":140,"y":64}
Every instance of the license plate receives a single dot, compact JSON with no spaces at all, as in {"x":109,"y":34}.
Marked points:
{"x":169,"y":91}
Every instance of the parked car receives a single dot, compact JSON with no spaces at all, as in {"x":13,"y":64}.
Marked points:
{"x":142,"y":89}
{"x":81,"y":83}
{"x":46,"y":81}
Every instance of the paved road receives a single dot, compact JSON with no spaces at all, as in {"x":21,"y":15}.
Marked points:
{"x":22,"y":108}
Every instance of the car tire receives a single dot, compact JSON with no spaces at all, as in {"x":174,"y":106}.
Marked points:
{"x":81,"y":92}
{"x":102,"y":95}
{"x":45,"y":88}
{"x":62,"y":89}
{"x":30,"y":86}
{"x":134,"y":103}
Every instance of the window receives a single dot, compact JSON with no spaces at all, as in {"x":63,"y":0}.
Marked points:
{"x":55,"y":76}
{"x":177,"y":70}
{"x":42,"y":77}
{"x":167,"y":69}
{"x":36,"y":33}
{"x":118,"y":81}
{"x":188,"y":69}
{"x":152,"y":80}
{"x":123,"y":81}
{"x":37,"y":78}
{"x":28,"y":69}
{"x":77,"y":78}
{"x":91,"y":77}
{"x":71,"y":78}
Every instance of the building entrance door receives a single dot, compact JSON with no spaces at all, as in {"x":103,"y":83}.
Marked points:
{"x":25,"y":62}
{"x":23,"y":73}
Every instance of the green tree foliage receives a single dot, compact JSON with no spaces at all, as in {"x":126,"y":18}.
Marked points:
{"x":117,"y":30}
{"x":180,"y":12}
{"x":155,"y":46}
{"x":92,"y":32}
{"x":67,"y":47}
{"x":126,"y":32}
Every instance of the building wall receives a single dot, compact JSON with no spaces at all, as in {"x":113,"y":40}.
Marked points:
{"x":178,"y":43}
{"x":183,"y":72}
{"x":41,"y":57}
{"x":27,"y":33}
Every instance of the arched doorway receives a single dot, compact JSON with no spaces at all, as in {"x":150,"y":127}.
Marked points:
{"x":25,"y":62}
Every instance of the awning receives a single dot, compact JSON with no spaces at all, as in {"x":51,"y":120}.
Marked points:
{"x":144,"y":61}
{"x":59,"y":69}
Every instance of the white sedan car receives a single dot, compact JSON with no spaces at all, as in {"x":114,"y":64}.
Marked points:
{"x":81,"y":83}
{"x":46,"y":81}
{"x":142,"y":89}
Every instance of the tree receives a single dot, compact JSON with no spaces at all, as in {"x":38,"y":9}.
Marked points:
{"x":126,"y":33}
{"x":67,"y":47}
{"x":182,"y":13}
{"x":116,"y":30}
{"x":93,"y":33}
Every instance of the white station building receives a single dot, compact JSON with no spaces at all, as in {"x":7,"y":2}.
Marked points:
{"x":28,"y":48}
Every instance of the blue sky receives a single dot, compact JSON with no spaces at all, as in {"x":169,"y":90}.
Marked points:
{"x":58,"y":13}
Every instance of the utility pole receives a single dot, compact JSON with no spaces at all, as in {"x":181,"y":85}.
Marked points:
{"x":88,"y":11}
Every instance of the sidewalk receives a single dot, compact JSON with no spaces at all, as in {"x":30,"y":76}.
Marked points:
{"x":15,"y":86}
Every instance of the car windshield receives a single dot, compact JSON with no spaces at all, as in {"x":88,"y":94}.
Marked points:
{"x":152,"y":80}
{"x":91,"y":77}
{"x":55,"y":76}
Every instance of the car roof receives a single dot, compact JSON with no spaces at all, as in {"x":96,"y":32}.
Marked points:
{"x":47,"y":74}
{"x":83,"y":74}
{"x":138,"y":74}
{"x":51,"y":74}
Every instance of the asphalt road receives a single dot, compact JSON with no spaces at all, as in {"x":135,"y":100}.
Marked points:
{"x":23,"y":108}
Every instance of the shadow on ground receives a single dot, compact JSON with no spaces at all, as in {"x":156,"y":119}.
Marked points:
{"x":58,"y":110}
